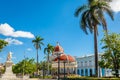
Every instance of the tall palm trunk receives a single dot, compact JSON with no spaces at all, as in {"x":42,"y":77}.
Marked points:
{"x":37,"y":63}
{"x":48,"y":65}
{"x":96,"y":50}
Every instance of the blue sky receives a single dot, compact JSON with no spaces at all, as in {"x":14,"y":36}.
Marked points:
{"x":53,"y":20}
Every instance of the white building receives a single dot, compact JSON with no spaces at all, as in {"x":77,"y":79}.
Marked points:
{"x":86,"y":67}
{"x":68,"y":64}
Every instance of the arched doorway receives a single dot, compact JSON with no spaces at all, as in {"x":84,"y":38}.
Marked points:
{"x":82,"y":72}
{"x":86,"y":72}
{"x":78,"y":71}
{"x":90,"y":72}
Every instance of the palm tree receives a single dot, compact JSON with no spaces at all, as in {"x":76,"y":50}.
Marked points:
{"x":92,"y":15}
{"x":49,"y":49}
{"x":37,"y":43}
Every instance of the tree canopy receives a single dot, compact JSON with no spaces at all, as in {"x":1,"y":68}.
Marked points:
{"x":111,"y":56}
{"x":38,"y":42}
{"x":48,"y":50}
{"x":92,"y":14}
{"x":2,"y":44}
{"x":26,"y":66}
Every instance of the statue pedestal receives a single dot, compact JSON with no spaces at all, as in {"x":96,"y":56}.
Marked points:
{"x":8,"y":72}
{"x":8,"y":63}
{"x":8,"y":75}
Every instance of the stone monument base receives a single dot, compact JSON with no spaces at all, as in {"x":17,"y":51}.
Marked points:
{"x":8,"y":75}
{"x":8,"y":72}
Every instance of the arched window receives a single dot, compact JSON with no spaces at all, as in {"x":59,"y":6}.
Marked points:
{"x":90,"y":72}
{"x":82,"y":72}
{"x":86,"y":72}
{"x":85,"y":63}
{"x":81,"y":64}
{"x":78,"y":71}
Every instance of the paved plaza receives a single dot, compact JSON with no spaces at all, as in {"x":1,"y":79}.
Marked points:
{"x":42,"y":79}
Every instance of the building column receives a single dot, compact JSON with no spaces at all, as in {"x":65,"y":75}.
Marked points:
{"x":75,"y":70}
{"x":93,"y":71}
{"x":100,"y":72}
{"x":80,"y":72}
{"x":88,"y":72}
{"x":105,"y":72}
{"x":84,"y":72}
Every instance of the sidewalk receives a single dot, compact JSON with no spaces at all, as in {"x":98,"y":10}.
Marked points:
{"x":42,"y":79}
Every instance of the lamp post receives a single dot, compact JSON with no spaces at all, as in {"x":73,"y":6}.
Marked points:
{"x":64,"y":69}
{"x":58,"y":54}
{"x":58,"y":67}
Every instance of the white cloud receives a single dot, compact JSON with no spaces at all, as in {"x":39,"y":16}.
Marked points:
{"x":13,"y":41}
{"x":7,"y":30}
{"x":29,"y":49}
{"x":115,"y":5}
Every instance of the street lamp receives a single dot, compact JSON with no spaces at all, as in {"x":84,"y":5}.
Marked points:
{"x":58,"y":55}
{"x":64,"y":68}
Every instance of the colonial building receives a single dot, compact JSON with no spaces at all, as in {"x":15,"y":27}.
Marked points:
{"x":86,"y":67}
{"x":68,"y":63}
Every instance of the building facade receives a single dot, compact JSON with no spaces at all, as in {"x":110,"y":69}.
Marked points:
{"x":68,"y":64}
{"x":86,"y":67}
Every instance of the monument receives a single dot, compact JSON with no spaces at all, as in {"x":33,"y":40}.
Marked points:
{"x":8,"y":72}
{"x":8,"y":75}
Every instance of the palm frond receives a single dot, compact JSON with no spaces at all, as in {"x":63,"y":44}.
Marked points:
{"x":83,"y":26}
{"x":102,"y":20}
{"x":41,"y":43}
{"x":90,"y":2}
{"x":103,"y":5}
{"x":94,"y":15}
{"x":84,"y":21}
{"x":45,"y":49}
{"x":90,"y":24}
{"x":84,"y":7}
{"x":37,"y":42}
{"x":109,"y":12}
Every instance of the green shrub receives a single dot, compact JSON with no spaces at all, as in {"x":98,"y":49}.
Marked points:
{"x":89,"y":78}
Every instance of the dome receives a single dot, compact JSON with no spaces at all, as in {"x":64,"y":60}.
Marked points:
{"x":64,"y":57}
{"x":58,"y":48}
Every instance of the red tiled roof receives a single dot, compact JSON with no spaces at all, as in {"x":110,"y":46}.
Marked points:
{"x":65,"y":57}
{"x":57,"y":49}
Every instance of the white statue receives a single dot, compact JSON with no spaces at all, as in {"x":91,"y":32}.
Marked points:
{"x":9,"y":56}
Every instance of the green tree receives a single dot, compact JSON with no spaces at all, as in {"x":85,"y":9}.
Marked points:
{"x":26,"y":66}
{"x":3,"y":44}
{"x":37,"y":43}
{"x":43,"y":67}
{"x":48,"y":50}
{"x":92,"y":15}
{"x":42,"y":64}
{"x":111,"y":57}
